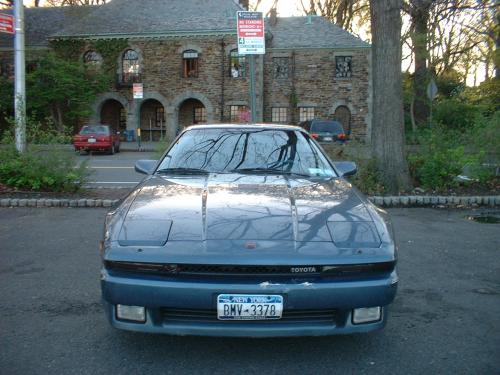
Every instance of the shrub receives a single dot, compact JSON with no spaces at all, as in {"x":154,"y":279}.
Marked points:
{"x":439,"y":159}
{"x":368,"y":177}
{"x":454,"y":113}
{"x":483,"y":140}
{"x":45,"y":170}
{"x":38,"y":132}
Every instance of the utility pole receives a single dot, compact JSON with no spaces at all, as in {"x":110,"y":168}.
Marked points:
{"x":20,"y":77}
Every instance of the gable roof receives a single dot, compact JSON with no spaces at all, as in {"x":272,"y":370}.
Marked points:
{"x":155,"y":17}
{"x":162,"y":18}
{"x":41,"y":22}
{"x":311,"y":32}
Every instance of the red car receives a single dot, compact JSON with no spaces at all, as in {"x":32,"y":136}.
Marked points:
{"x":97,"y":138}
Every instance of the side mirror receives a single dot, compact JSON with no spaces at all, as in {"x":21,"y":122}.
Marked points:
{"x":346,"y":168}
{"x":145,"y":166}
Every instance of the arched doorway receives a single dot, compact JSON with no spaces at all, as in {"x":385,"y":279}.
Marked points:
{"x":153,"y":125}
{"x":343,"y":115}
{"x":191,"y":112}
{"x":114,"y":114}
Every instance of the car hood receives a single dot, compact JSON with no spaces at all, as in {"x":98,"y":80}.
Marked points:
{"x":245,"y":207}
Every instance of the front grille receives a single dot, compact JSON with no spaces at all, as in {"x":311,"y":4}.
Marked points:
{"x":171,"y":315}
{"x":256,"y":271}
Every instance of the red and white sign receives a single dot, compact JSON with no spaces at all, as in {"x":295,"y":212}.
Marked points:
{"x":251,"y":36}
{"x":138,"y":90}
{"x":6,"y":23}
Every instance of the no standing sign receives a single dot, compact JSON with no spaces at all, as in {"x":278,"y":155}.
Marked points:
{"x":251,"y":40}
{"x":6,"y":23}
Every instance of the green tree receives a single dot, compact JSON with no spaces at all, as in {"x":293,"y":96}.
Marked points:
{"x":63,"y":90}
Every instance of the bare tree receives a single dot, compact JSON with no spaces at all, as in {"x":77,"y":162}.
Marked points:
{"x":388,"y":123}
{"x":343,"y":13}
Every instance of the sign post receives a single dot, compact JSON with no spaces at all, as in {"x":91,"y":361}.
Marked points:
{"x":251,"y":42}
{"x":15,"y":25}
{"x":138,"y":94}
{"x":20,"y":77}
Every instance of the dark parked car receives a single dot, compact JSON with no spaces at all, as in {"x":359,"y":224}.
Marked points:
{"x":97,"y":138}
{"x":247,"y":230}
{"x":325,"y":130}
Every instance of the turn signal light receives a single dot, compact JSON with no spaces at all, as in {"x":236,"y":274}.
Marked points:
{"x":315,"y":135}
{"x":341,"y":136}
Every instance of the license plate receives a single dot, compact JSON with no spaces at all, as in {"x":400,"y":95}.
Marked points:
{"x":91,"y":140}
{"x":327,"y":139}
{"x":249,"y":307}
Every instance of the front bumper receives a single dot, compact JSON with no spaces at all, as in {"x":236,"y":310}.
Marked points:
{"x":158,"y":294}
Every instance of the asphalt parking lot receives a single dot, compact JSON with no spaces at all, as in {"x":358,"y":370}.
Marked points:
{"x":446,"y":317}
{"x":112,"y":171}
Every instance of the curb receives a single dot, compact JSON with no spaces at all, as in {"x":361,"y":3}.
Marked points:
{"x":387,"y":201}
{"x":73,"y":203}
{"x":433,"y":200}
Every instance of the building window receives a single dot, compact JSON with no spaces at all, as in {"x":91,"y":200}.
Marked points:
{"x":237,"y":64}
{"x":281,"y":67}
{"x":92,"y":58}
{"x":239,"y":113}
{"x":200,"y":115}
{"x":306,"y":113}
{"x":160,"y":117}
{"x":279,"y":114}
{"x":189,"y":64}
{"x":130,"y":67}
{"x":343,"y":66}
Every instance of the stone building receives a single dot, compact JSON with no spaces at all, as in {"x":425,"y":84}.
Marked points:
{"x":184,"y":53}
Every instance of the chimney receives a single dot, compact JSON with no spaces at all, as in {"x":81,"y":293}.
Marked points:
{"x":244,"y":4}
{"x":273,"y":16}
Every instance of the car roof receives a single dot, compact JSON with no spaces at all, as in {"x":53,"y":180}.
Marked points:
{"x":246,"y":126}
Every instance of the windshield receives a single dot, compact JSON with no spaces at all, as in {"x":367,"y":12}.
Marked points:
{"x":97,"y":129}
{"x":246,"y":151}
{"x":326,"y":127}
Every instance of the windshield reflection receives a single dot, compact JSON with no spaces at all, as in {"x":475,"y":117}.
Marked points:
{"x":247,"y":151}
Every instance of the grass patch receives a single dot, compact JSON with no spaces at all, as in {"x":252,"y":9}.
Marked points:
{"x":53,"y":169}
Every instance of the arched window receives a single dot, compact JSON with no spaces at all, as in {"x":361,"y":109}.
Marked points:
{"x":130,"y":66}
{"x":190,"y":63}
{"x":92,"y":58}
{"x":237,"y":64}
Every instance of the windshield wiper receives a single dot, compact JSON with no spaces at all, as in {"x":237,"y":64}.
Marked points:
{"x":268,"y":171}
{"x":181,"y":170}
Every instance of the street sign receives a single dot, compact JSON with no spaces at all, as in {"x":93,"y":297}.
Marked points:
{"x":138,"y":90}
{"x":432,"y":90}
{"x":251,"y":39}
{"x":6,"y":23}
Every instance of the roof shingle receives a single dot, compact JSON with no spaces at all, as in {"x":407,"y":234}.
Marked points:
{"x":146,"y":18}
{"x":40,"y":23}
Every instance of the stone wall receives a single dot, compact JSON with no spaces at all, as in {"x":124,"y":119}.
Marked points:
{"x":311,"y":83}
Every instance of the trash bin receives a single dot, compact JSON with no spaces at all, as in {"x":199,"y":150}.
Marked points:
{"x":130,"y":135}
